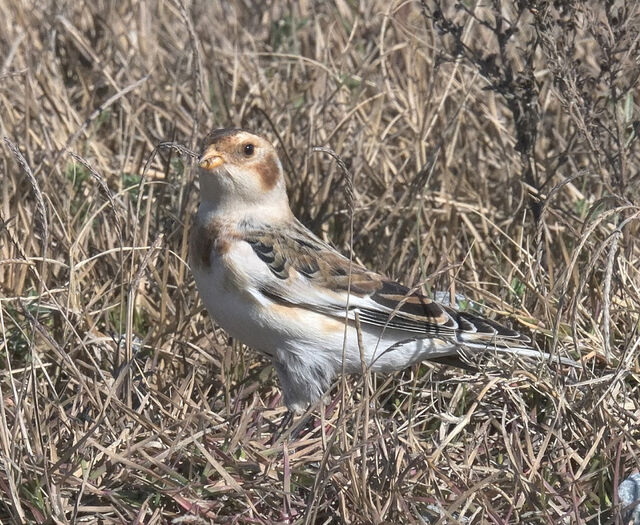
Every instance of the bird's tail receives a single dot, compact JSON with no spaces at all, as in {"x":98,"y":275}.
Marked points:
{"x":479,"y":333}
{"x":524,"y":351}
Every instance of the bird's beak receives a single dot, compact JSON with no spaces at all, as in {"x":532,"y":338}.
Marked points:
{"x":210,"y":159}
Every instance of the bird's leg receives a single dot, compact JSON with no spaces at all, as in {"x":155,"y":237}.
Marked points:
{"x":300,"y":426}
{"x":286,"y":421}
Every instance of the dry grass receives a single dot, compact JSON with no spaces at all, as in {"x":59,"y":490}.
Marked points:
{"x":509,"y":174}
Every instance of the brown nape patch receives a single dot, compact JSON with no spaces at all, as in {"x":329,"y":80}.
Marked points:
{"x":268,"y":172}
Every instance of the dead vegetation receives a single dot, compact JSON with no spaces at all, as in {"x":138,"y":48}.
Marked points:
{"x":494,"y":148}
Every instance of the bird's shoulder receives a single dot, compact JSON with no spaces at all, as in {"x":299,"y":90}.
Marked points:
{"x":291,"y":251}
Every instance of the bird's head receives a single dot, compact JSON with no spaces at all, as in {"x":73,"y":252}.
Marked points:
{"x":239,"y":169}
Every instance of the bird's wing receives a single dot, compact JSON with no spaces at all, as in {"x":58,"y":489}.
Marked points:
{"x":309,"y":273}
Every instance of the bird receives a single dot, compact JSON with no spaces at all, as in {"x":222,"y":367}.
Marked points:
{"x":272,"y":284}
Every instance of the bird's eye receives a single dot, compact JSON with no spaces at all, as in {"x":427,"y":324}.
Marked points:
{"x":248,"y":150}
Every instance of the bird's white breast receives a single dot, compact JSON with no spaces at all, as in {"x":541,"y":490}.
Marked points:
{"x":230,"y":300}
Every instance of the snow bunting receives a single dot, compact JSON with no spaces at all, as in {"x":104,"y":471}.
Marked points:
{"x":275,"y":286}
